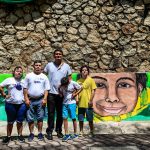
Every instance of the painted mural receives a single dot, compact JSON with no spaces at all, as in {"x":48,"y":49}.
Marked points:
{"x":119,"y":96}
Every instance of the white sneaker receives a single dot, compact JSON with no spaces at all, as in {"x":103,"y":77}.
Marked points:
{"x":81,"y":133}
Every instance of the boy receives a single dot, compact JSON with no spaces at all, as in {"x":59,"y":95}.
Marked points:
{"x":85,"y":99}
{"x":68,"y":90}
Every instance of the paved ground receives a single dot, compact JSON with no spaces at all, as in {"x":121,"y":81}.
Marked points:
{"x":108,"y":136}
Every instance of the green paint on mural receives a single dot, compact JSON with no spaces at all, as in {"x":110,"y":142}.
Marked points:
{"x":15,"y":1}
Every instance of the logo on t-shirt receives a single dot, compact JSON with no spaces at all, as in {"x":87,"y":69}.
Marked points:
{"x":37,"y":81}
{"x":18,"y":86}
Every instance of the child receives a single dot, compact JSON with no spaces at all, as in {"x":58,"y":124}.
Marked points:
{"x":85,"y":102}
{"x":69,"y":89}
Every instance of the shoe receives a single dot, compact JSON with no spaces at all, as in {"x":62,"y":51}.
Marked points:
{"x":21,"y":139}
{"x":91,"y":134}
{"x":74,"y":136}
{"x":49,"y":136}
{"x":31,"y":137}
{"x":59,"y":135}
{"x":40,"y":136}
{"x":6,"y":140}
{"x":66,"y":138}
{"x":81,"y":133}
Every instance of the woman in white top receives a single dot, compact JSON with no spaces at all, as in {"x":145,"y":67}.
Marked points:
{"x":14,"y":103}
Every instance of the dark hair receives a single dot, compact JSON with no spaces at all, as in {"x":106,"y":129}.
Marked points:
{"x":85,"y":66}
{"x":16,"y":68}
{"x":37,"y":61}
{"x":141,"y":78}
{"x":58,"y":50}
{"x":64,"y":81}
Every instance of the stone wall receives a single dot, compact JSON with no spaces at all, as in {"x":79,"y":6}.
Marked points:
{"x":107,"y":35}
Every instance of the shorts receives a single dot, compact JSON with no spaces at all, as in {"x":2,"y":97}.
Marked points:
{"x":69,"y":110}
{"x":35,"y":111}
{"x":87,"y":111}
{"x":15,"y":112}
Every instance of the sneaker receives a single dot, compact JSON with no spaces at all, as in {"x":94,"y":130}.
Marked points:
{"x":81,"y":133}
{"x":49,"y":136}
{"x":91,"y":134}
{"x":74,"y":136}
{"x":66,"y":138}
{"x":21,"y":139}
{"x":31,"y":137}
{"x":6,"y":140}
{"x":40,"y":136}
{"x":59,"y":135}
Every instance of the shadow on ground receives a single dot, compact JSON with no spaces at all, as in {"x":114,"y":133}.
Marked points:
{"x":98,"y":142}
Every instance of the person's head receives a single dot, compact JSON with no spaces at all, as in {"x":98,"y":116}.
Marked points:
{"x":37,"y":65}
{"x":58,"y":55}
{"x":18,"y":72}
{"x":117,"y":94}
{"x":65,"y":81}
{"x":84,"y":71}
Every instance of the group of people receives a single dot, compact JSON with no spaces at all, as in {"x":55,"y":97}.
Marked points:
{"x":28,"y":97}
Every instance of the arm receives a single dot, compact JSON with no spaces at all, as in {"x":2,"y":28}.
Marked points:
{"x":26,"y":98}
{"x":60,"y":91}
{"x":77,"y":99}
{"x":76,"y":92}
{"x":44,"y":101}
{"x":2,"y":92}
{"x":91,"y":99}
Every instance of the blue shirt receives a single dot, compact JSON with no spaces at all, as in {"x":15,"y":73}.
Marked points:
{"x":55,"y":74}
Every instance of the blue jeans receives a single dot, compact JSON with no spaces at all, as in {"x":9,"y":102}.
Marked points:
{"x":36,"y":110}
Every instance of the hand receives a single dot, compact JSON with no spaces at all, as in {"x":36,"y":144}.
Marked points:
{"x":90,"y":104}
{"x":7,"y":96}
{"x":44,"y":101}
{"x":73,"y":96}
{"x":77,"y":102}
{"x":27,"y":102}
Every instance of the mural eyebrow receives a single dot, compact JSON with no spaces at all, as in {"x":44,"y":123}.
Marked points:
{"x":125,"y":78}
{"x":97,"y":77}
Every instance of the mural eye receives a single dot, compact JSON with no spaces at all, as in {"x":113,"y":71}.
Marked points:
{"x":100,"y":85}
{"x":124,"y":85}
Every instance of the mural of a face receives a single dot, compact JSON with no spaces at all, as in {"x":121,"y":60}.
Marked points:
{"x":116,"y":93}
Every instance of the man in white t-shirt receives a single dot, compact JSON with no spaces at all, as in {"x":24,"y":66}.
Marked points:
{"x":36,"y":88}
{"x":56,"y":71}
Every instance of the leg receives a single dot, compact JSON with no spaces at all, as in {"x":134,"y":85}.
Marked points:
{"x":74,"y":125}
{"x":89,"y":114}
{"x":51,"y":102}
{"x":20,"y":117}
{"x":9,"y":129}
{"x":72,"y":112}
{"x":91,"y":126}
{"x":59,"y":119}
{"x":81,"y":114}
{"x":81,"y":126}
{"x":11,"y":112}
{"x":31,"y":126}
{"x":19,"y":128}
{"x":65,"y":125}
{"x":30,"y":119}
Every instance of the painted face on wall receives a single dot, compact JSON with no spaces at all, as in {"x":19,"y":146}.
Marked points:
{"x":116,"y":94}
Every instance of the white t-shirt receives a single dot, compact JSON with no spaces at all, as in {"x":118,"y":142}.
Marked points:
{"x":36,"y":84}
{"x":55,"y":74}
{"x":15,"y":90}
{"x":67,"y":92}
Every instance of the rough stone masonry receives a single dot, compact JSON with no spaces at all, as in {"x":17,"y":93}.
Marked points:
{"x":107,"y":35}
